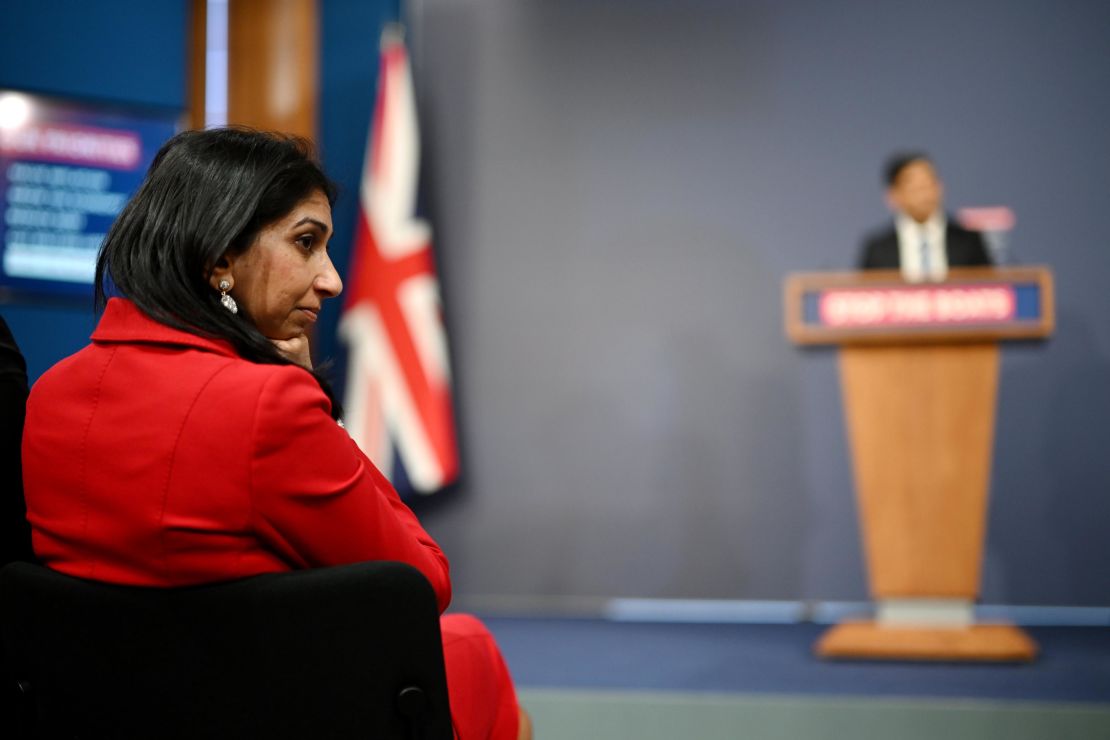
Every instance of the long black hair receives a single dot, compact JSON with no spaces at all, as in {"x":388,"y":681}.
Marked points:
{"x":207,"y":194}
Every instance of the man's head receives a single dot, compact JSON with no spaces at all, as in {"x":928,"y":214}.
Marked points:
{"x":912,"y":185}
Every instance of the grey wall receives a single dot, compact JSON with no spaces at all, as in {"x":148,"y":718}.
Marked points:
{"x":620,"y":187}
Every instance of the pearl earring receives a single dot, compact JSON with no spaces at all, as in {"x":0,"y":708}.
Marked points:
{"x":227,"y":301}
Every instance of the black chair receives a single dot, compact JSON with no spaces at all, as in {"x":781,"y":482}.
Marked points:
{"x":346,"y":652}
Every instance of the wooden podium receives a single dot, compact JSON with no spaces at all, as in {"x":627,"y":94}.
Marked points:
{"x":919,"y":375}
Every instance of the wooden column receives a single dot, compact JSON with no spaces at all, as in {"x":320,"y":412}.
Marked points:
{"x":272,"y":65}
{"x":198,"y":63}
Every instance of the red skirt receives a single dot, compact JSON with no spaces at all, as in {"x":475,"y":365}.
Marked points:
{"x":483,"y":701}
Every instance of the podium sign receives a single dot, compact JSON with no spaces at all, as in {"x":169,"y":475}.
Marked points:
{"x":973,"y":304}
{"x":919,"y":376}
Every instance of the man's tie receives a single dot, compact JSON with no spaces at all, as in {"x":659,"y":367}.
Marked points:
{"x":926,"y":257}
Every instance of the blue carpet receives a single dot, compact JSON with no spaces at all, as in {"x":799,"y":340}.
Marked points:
{"x":592,"y":653}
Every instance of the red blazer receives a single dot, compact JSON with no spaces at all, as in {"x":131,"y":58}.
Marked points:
{"x":155,"y":457}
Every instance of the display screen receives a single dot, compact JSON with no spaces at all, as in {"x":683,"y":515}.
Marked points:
{"x":66,"y":170}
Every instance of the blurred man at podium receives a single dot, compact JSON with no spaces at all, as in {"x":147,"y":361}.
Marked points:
{"x":923,"y":242}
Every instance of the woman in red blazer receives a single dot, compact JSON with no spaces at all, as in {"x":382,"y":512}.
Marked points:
{"x":192,"y":441}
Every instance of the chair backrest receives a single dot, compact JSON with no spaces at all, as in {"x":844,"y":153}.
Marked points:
{"x":345,"y":652}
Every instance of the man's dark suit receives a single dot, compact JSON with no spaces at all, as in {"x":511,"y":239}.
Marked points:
{"x":963,"y":248}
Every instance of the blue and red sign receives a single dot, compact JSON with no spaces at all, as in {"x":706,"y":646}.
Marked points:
{"x":66,"y":171}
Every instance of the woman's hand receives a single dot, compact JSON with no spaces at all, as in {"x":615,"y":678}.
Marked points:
{"x":296,"y":349}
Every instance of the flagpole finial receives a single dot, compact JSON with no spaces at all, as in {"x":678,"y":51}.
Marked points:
{"x":393,"y":32}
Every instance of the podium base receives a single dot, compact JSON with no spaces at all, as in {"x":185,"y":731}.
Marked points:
{"x":978,"y":642}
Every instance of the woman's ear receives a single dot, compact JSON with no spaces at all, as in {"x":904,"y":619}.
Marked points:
{"x":220,"y":272}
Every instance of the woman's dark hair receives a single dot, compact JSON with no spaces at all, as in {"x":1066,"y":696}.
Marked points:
{"x":207,"y":193}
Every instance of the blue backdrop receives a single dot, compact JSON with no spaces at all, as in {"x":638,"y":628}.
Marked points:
{"x":113,"y":51}
{"x":619,"y":189}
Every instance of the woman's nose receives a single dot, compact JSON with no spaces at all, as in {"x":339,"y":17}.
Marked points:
{"x":328,"y":281}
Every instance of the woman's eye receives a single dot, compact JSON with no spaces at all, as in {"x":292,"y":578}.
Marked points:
{"x":306,"y":241}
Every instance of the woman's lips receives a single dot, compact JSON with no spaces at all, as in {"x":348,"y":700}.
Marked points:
{"x":311,"y":313}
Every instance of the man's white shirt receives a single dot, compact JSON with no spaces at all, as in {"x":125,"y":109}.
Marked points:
{"x":911,"y":238}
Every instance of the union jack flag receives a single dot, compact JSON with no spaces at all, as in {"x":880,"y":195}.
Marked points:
{"x":398,"y":398}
